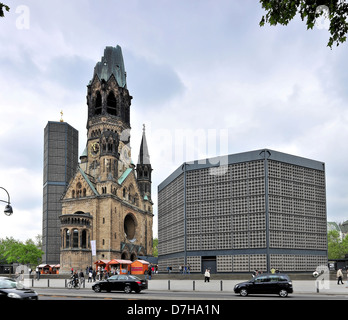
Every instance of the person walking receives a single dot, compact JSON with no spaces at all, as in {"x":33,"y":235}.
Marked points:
{"x":339,"y":276}
{"x":81,"y":277}
{"x":94,"y":274}
{"x":149,"y":272}
{"x":207,"y":275}
{"x":37,"y":273}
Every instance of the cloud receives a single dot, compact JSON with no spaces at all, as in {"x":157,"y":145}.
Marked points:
{"x":192,"y":66}
{"x":153,"y":84}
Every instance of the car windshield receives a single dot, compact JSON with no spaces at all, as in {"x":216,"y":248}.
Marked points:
{"x":9,"y":284}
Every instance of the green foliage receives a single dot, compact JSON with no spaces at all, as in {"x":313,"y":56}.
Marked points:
{"x":14,"y":251}
{"x":154,"y":247}
{"x":337,"y":248}
{"x":283,"y":11}
{"x":2,"y":8}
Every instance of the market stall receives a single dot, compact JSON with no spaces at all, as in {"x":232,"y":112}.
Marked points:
{"x":49,"y":268}
{"x":122,"y":265}
{"x":44,"y":268}
{"x":54,"y":268}
{"x":139,"y":267}
{"x":101,"y":264}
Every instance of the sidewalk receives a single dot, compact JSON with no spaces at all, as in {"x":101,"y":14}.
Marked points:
{"x":300,"y":286}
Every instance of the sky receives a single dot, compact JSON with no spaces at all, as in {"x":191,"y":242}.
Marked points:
{"x":206,"y":80}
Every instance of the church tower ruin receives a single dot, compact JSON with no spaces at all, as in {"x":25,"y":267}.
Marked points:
{"x":107,"y":200}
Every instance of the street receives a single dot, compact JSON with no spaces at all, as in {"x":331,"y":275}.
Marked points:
{"x":88,"y":294}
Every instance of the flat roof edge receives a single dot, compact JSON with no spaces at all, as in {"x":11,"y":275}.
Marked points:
{"x":242,"y":157}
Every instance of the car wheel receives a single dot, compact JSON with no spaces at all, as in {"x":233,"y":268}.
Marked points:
{"x":243,"y":292}
{"x":97,"y":288}
{"x":127,"y":289}
{"x":283,"y":293}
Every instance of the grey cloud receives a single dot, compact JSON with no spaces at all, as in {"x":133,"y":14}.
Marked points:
{"x":71,"y":72}
{"x":151,"y":83}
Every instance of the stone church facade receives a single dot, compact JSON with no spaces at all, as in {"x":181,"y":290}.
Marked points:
{"x":109,"y":198}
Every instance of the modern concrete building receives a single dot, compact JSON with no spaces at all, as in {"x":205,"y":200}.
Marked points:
{"x":255,"y":210}
{"x":60,"y":161}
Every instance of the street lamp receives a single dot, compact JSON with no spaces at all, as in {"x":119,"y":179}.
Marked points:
{"x":8,"y":209}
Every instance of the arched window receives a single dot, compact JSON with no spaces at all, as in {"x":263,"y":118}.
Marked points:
{"x":67,"y":238}
{"x":75,"y":241}
{"x":127,"y":115}
{"x":98,"y":104}
{"x":84,"y":239}
{"x":111,"y":104}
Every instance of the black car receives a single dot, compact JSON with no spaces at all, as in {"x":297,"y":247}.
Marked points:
{"x":11,"y":289}
{"x":122,"y":282}
{"x":277,"y":283}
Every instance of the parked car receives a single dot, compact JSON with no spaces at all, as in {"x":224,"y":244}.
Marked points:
{"x":122,"y":282}
{"x":277,"y":283}
{"x":11,"y":289}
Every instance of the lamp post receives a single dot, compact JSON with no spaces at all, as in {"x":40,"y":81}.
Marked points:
{"x":8,"y":209}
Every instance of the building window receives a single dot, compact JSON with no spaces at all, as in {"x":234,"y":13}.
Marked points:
{"x":98,"y":104}
{"x":111,"y":104}
{"x":75,"y":238}
{"x":84,"y":239}
{"x":67,"y":238}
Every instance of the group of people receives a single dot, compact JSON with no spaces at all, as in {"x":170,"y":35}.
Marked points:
{"x":92,"y":274}
{"x":184,"y":269}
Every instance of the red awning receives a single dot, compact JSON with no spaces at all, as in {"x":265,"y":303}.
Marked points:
{"x":102,"y":262}
{"x":119,"y":261}
{"x":143,"y":261}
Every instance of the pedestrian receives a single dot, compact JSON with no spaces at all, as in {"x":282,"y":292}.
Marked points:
{"x":149,"y":272}
{"x":37,"y":273}
{"x":94,"y":274}
{"x":207,"y":275}
{"x":81,"y":277}
{"x":339,"y":276}
{"x":90,"y":276}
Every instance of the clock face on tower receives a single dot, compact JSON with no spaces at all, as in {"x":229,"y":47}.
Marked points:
{"x":94,"y":149}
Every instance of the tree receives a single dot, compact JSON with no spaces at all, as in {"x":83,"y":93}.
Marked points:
{"x":283,"y":11}
{"x":14,"y":251}
{"x":154,"y":247}
{"x":337,"y":248}
{"x":2,"y":8}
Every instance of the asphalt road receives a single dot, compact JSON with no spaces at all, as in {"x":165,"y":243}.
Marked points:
{"x":88,"y":294}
